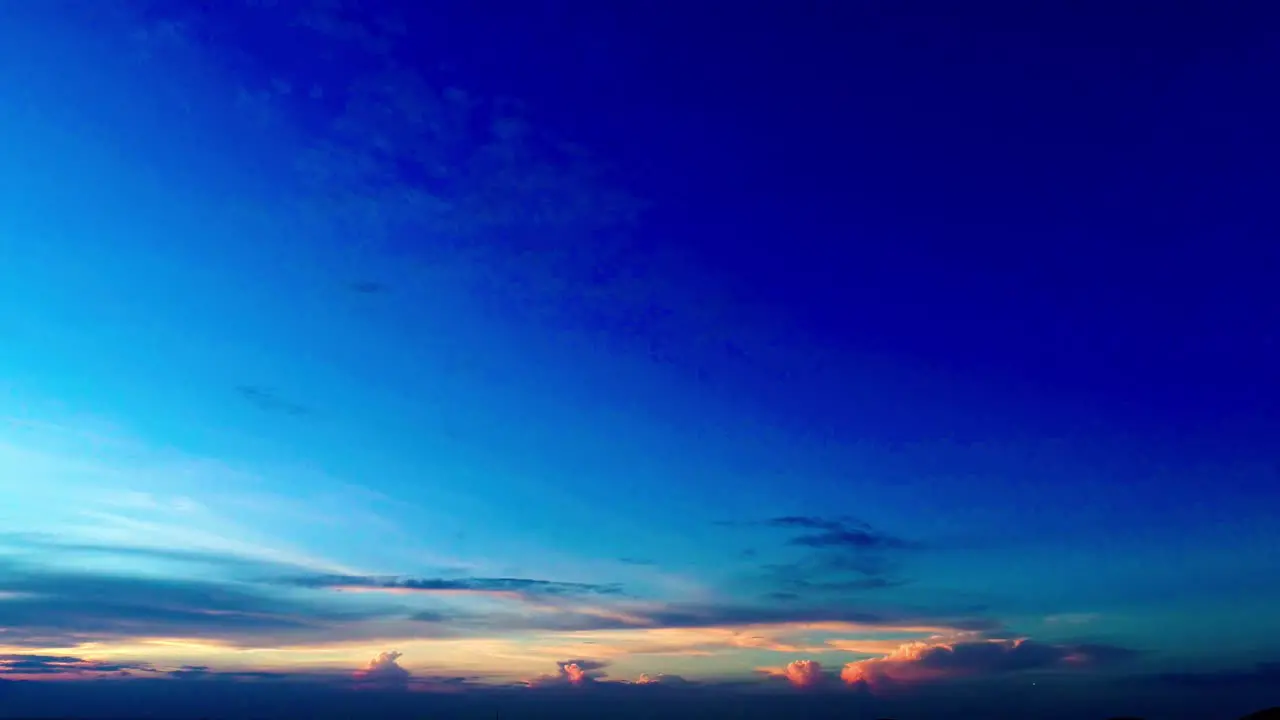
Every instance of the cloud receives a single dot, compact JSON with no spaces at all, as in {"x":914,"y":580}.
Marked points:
{"x":807,"y":522}
{"x":574,"y":673}
{"x":51,"y":607}
{"x":206,"y":673}
{"x":268,"y":400}
{"x":251,"y":606}
{"x":661,"y":679}
{"x":838,"y":532}
{"x":397,"y":157}
{"x":689,"y":616}
{"x":49,"y":545}
{"x":61,"y":665}
{"x":830,"y":575}
{"x":793,"y":638}
{"x":368,"y":287}
{"x":518,"y":586}
{"x":431,"y":616}
{"x":804,"y":673}
{"x":384,"y":671}
{"x":1071,"y":618}
{"x":933,"y":661}
{"x":838,"y":556}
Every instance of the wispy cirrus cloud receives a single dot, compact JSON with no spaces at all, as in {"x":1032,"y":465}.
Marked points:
{"x":64,"y":666}
{"x":513,"y":586}
{"x":269,"y":400}
{"x":50,"y":606}
{"x":368,"y":287}
{"x":79,"y":484}
{"x":239,"y":603}
{"x":76,"y":484}
{"x":828,"y":556}
{"x":157,"y":572}
{"x":837,"y":532}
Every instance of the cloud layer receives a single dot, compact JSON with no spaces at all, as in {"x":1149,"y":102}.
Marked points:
{"x":919,"y":662}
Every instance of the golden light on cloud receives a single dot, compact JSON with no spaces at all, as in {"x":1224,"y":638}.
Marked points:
{"x":804,"y":673}
{"x":514,"y":655}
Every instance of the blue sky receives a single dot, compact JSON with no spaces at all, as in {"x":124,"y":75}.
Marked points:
{"x":568,"y":361}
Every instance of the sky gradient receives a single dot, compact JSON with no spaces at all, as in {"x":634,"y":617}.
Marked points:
{"x":845,"y":356}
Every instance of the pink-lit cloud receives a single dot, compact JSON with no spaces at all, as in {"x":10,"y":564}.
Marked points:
{"x":800,"y":673}
{"x":917,"y":662}
{"x":384,"y":671}
{"x":805,"y":673}
{"x":575,"y":673}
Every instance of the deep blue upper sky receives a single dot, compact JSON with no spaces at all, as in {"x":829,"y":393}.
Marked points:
{"x":641,"y":338}
{"x":1044,"y":205}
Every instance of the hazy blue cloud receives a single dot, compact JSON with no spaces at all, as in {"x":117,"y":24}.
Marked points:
{"x":269,"y":400}
{"x":832,"y":556}
{"x":48,"y":604}
{"x":368,"y":287}
{"x":20,"y":664}
{"x":525,"y":586}
{"x":838,"y":532}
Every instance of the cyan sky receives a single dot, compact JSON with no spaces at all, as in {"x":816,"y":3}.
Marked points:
{"x":305,"y":362}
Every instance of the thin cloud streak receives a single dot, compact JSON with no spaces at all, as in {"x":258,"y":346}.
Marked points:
{"x":511,"y":586}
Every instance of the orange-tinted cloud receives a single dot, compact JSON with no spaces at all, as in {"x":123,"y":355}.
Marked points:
{"x":572,"y":672}
{"x":384,"y":671}
{"x":804,"y":673}
{"x":800,"y":673}
{"x":923,"y":661}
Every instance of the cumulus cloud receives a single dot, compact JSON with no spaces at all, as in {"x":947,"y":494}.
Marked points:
{"x":925,"y":661}
{"x":385,"y":671}
{"x":804,"y":673}
{"x":575,"y":673}
{"x":800,"y":673}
